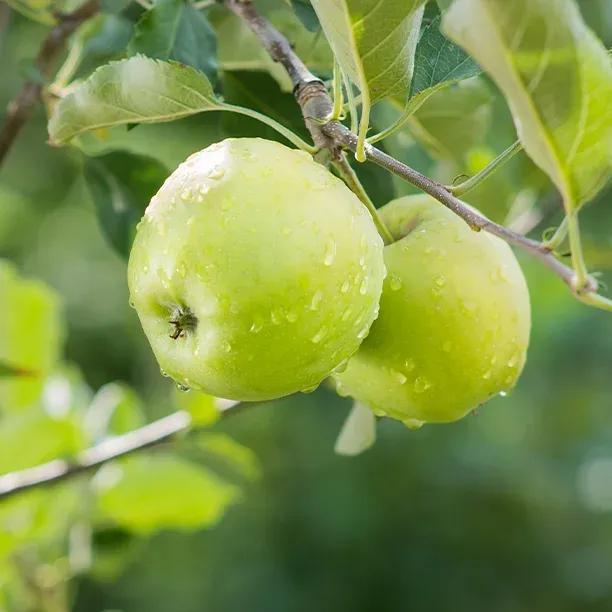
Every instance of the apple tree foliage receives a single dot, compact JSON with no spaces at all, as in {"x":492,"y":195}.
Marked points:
{"x":442,"y":86}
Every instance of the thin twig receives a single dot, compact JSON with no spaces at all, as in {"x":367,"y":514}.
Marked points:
{"x":317,"y":110}
{"x":20,"y":108}
{"x":58,"y":470}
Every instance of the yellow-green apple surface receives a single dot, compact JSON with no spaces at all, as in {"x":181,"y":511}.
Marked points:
{"x":254,"y":271}
{"x":454,"y":319}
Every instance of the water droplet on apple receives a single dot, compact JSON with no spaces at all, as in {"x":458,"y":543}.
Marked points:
{"x":292,"y":316}
{"x":399,"y":377}
{"x":319,"y":335}
{"x":341,"y":390}
{"x":183,"y":388}
{"x":421,"y":384}
{"x":330,"y":253}
{"x":364,"y":286}
{"x":346,"y":285}
{"x":276,"y":316}
{"x":409,"y":364}
{"x":164,"y":373}
{"x":218,"y":172}
{"x":227,"y":347}
{"x":413,"y":423}
{"x":316,"y":300}
{"x":487,"y":375}
{"x":256,"y":326}
{"x":310,"y":389}
{"x":346,"y":314}
{"x":503,"y":393}
{"x":440,"y":280}
{"x":341,"y":367}
{"x":395,"y":282}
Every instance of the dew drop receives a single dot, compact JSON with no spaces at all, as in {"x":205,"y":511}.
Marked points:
{"x":316,"y":300}
{"x":364,"y":286}
{"x":512,"y":361}
{"x":319,"y":335}
{"x":346,"y":285}
{"x":440,"y":280}
{"x":164,"y":373}
{"x":421,"y":384}
{"x":503,"y":393}
{"x":185,"y":195}
{"x":341,"y":390}
{"x":346,"y":314}
{"x":217,"y":172}
{"x":292,"y":316}
{"x":256,"y":326}
{"x":132,"y":304}
{"x":413,"y":423}
{"x":341,"y":367}
{"x":310,"y":389}
{"x":409,"y":365}
{"x":395,"y":283}
{"x":183,"y":388}
{"x":276,"y":316}
{"x":330,"y":253}
{"x":399,"y":377}
{"x":487,"y":375}
{"x":227,"y":347}
{"x":363,"y":332}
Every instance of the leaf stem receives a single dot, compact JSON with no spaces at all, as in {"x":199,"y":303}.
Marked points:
{"x":560,"y":234}
{"x":581,"y":279}
{"x":337,"y":111}
{"x":471,"y":183}
{"x":344,"y":168}
{"x":281,"y":129}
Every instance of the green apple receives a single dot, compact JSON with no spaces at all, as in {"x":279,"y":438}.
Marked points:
{"x":454,"y":319}
{"x":254,"y":272}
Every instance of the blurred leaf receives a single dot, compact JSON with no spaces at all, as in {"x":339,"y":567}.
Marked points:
{"x":103,"y":38}
{"x":113,"y":550}
{"x":238,"y":457}
{"x":306,"y":14}
{"x":557,"y":78}
{"x":36,"y":10}
{"x":35,"y":437}
{"x":121,"y":186}
{"x":453,"y":120}
{"x":176,"y":30}
{"x":358,"y":432}
{"x":115,"y":409}
{"x":8,"y":370}
{"x":180,"y":138}
{"x":201,"y":407}
{"x":438,"y":60}
{"x":136,"y":90}
{"x":113,"y":6}
{"x":148,"y":493}
{"x":65,"y":391}
{"x":31,"y":335}
{"x":258,"y":91}
{"x":374,"y":44}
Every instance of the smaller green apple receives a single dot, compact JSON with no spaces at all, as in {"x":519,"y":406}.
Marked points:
{"x":454,"y":320}
{"x":255,"y":272}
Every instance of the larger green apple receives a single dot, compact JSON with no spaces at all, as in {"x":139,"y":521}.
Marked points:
{"x":255,"y":272}
{"x":454,"y":319}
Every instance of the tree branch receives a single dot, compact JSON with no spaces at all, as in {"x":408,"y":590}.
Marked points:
{"x":149,"y":435}
{"x":317,"y":106}
{"x":20,"y":108}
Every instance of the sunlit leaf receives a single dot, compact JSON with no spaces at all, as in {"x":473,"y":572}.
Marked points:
{"x":176,"y":30}
{"x":557,"y":78}
{"x":136,"y":90}
{"x":147,"y":493}
{"x":31,"y":334}
{"x":203,"y":408}
{"x":115,"y":409}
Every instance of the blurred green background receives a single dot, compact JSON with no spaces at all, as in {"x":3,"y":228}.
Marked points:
{"x":509,"y":509}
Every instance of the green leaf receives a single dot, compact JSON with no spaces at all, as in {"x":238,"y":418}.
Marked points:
{"x":236,"y":456}
{"x":557,"y":78}
{"x":121,"y":186}
{"x":115,"y":409}
{"x":102,"y":38}
{"x":453,"y":120}
{"x":259,"y":91}
{"x":306,"y":14}
{"x":34,"y":437}
{"x":136,"y":90}
{"x":147,"y":493}
{"x":31,"y":335}
{"x":358,"y":432}
{"x":202,"y":407}
{"x":438,"y":60}
{"x":374,"y":42}
{"x":175,"y":30}
{"x":41,"y":11}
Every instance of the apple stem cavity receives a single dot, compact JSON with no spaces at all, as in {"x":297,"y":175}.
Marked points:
{"x":182,"y":321}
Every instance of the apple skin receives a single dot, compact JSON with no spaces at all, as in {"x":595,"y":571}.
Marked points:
{"x":254,"y":271}
{"x":454,"y":320}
